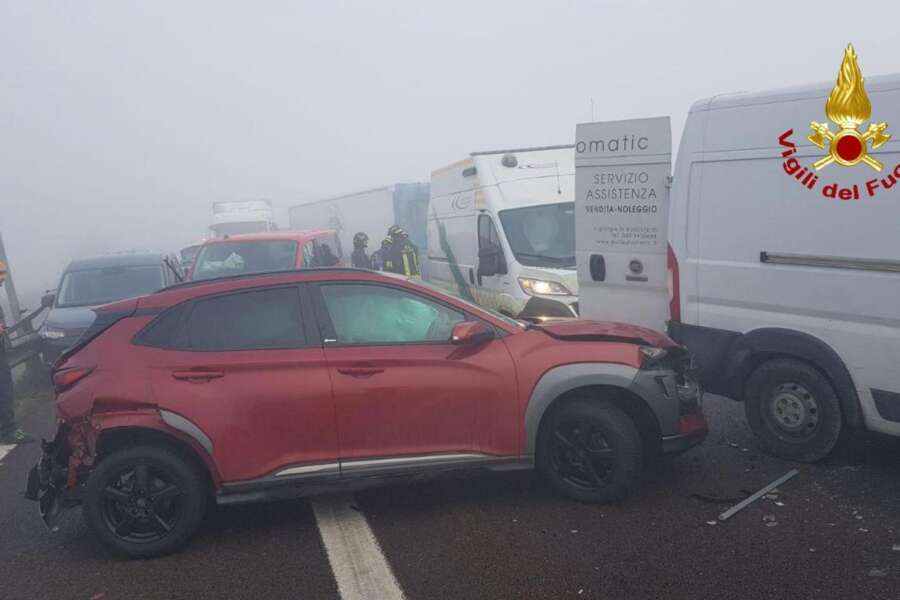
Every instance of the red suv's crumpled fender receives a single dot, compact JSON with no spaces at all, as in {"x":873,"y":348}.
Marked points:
{"x":83,"y":435}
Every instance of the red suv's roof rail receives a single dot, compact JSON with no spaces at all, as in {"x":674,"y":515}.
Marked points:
{"x":240,"y":276}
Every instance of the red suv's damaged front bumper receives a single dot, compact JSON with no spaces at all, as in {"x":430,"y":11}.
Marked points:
{"x":692,"y":429}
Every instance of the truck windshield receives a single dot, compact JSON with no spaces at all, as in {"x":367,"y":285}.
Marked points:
{"x":232,"y":258}
{"x":90,"y":287}
{"x":542,"y":235}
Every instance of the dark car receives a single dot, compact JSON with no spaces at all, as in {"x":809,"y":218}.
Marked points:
{"x":281,"y":385}
{"x":90,"y":282}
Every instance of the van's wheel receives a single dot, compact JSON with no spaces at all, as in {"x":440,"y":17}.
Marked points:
{"x":144,"y":501}
{"x":793,"y":410}
{"x":590,"y":451}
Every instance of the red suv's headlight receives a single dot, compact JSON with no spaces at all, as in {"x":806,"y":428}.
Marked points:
{"x":66,"y":378}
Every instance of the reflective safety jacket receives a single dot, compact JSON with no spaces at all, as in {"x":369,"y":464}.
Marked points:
{"x":403,"y":258}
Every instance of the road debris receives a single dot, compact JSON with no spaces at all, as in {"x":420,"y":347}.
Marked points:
{"x":717,"y":500}
{"x":896,"y":547}
{"x":877,"y":573}
{"x":754,"y":497}
{"x":712,"y":522}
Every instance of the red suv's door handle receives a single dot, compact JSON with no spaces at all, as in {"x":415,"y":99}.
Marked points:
{"x":360,"y":371}
{"x":197,"y":376}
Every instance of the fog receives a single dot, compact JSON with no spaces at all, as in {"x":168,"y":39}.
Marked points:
{"x":123,"y":121}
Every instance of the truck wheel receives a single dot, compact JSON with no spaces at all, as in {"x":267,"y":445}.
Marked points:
{"x":144,"y":501}
{"x":793,"y":410}
{"x":590,"y":451}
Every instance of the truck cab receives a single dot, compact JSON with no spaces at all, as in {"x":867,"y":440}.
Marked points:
{"x":501,"y":231}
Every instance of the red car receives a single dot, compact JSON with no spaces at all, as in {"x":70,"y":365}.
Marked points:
{"x":287,"y":384}
{"x":265,"y":252}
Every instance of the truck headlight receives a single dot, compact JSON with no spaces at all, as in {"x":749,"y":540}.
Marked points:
{"x":51,"y":333}
{"x":543,"y":288}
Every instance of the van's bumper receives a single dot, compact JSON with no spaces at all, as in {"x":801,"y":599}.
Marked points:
{"x":541,"y":307}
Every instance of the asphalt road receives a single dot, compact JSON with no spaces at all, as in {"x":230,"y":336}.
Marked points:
{"x":829,"y":534}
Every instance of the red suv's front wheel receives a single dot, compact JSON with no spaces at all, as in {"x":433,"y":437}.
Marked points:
{"x":590,"y":451}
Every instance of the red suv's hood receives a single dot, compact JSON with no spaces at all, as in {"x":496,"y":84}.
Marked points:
{"x":605,"y":331}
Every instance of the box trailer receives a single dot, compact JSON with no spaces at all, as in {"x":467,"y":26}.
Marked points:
{"x":370,"y":211}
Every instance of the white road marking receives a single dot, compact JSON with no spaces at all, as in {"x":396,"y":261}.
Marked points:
{"x":359,"y":567}
{"x":5,"y":449}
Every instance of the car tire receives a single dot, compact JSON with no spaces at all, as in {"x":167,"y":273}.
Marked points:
{"x":793,"y":410}
{"x":569,"y":448}
{"x":144,"y":501}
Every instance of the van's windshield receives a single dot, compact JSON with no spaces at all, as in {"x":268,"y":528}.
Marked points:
{"x":542,"y":235}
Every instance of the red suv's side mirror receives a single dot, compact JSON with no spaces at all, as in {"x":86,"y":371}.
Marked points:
{"x":470,"y":332}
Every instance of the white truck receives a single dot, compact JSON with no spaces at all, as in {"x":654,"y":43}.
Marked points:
{"x":370,"y":211}
{"x":501,"y":231}
{"x":242,"y":216}
{"x":784,"y":258}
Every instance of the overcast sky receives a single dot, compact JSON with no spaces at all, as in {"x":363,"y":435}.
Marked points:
{"x":121,"y":122}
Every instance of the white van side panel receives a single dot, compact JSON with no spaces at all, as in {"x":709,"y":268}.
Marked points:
{"x":733,"y":189}
{"x":452,"y":229}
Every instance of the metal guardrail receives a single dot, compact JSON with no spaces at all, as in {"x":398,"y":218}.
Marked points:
{"x":23,"y":348}
{"x":24,"y":342}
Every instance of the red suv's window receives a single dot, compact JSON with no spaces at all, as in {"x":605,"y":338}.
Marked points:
{"x":377,"y":314}
{"x":257,"y":319}
{"x":248,"y":320}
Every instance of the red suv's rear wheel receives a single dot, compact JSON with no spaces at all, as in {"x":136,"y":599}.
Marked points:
{"x":144,"y":501}
{"x":590,"y":451}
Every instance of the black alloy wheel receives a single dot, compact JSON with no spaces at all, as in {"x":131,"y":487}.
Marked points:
{"x":590,"y":450}
{"x":146,"y":500}
{"x":142,"y":504}
{"x":581,"y":454}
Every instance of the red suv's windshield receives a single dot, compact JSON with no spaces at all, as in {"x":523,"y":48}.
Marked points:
{"x":221,"y":259}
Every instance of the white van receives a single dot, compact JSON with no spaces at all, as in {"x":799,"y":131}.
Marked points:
{"x":786,"y":278}
{"x":501,"y":231}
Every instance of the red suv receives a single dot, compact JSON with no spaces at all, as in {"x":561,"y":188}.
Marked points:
{"x":268,"y":251}
{"x":288,"y":384}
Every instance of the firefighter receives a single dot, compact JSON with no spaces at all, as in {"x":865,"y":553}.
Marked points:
{"x":380,"y":257}
{"x":9,"y":433}
{"x":359,"y":258}
{"x":403,"y":254}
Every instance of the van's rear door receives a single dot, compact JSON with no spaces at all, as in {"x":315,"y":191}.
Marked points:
{"x":622,"y":174}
